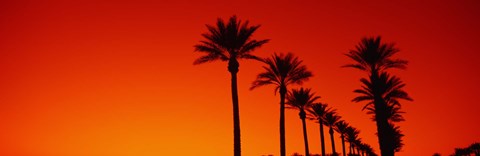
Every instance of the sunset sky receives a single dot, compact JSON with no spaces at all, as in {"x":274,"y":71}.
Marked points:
{"x":116,"y":78}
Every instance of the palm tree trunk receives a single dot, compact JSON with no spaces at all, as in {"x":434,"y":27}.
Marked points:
{"x":353,"y":149}
{"x":333,"y":142}
{"x":233,"y":69}
{"x":322,"y":138}
{"x":350,"y":149}
{"x":304,"y":125}
{"x":386,"y":148}
{"x":343,"y":144}
{"x":283,"y":91}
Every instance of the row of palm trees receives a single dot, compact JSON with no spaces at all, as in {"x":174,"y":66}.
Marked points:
{"x":305,"y":101}
{"x":232,"y":40}
{"x":283,"y":70}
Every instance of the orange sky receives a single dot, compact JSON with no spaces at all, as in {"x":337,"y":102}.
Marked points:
{"x":116,"y":78}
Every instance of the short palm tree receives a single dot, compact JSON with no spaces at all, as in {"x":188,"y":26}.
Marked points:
{"x":366,"y":149}
{"x":351,"y":137}
{"x":331,"y":118}
{"x":357,"y":144}
{"x":230,"y":41}
{"x":281,"y":71}
{"x":374,"y":57}
{"x":301,"y":99}
{"x":341,"y":127}
{"x":318,"y":111}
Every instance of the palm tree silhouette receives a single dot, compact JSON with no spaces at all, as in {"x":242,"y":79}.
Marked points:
{"x":301,"y":99}
{"x":229,"y":42}
{"x":331,"y":118}
{"x":383,"y":102}
{"x":351,"y":137}
{"x":281,"y":71}
{"x":366,"y":149}
{"x":374,"y":57}
{"x":341,"y":127}
{"x":358,"y":143}
{"x":318,"y":111}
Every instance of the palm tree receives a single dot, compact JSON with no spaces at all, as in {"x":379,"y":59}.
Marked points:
{"x":331,"y":118}
{"x":282,"y":71}
{"x":358,"y":143}
{"x":351,"y":137}
{"x":383,"y":102}
{"x":374,"y":57}
{"x":341,"y":127}
{"x":301,"y":99}
{"x":229,"y":42}
{"x":318,"y":111}
{"x":366,"y":149}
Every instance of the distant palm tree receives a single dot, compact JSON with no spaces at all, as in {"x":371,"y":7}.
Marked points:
{"x":282,"y":71}
{"x":351,"y":137}
{"x":341,"y":127}
{"x":358,"y":143}
{"x":301,"y":99}
{"x":374,"y":57}
{"x":318,"y":111}
{"x":331,"y":118}
{"x":229,"y":42}
{"x":366,"y":149}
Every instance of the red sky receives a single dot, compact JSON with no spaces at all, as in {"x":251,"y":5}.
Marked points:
{"x":116,"y":78}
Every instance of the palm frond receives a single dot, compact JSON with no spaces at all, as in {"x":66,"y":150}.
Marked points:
{"x":229,"y":39}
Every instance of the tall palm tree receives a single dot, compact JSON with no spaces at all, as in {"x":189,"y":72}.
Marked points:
{"x":374,"y":56}
{"x":331,"y":118}
{"x":318,"y":111}
{"x":230,"y":41}
{"x":341,"y":127}
{"x":382,"y":96}
{"x":351,"y":137}
{"x":301,"y":99}
{"x":281,"y":71}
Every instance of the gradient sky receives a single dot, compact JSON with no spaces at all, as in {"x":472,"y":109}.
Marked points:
{"x":116,"y":78}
